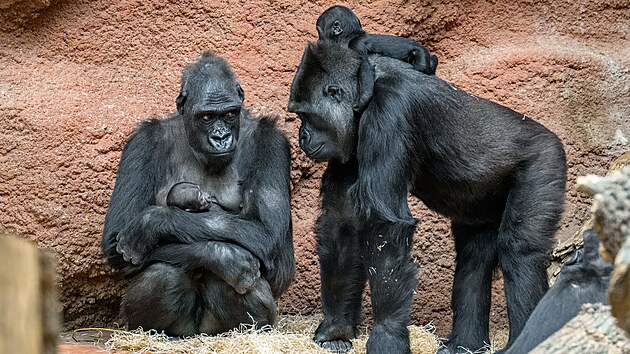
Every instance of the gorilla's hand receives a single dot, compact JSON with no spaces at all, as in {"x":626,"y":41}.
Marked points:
{"x":235,"y":265}
{"x":130,"y":250}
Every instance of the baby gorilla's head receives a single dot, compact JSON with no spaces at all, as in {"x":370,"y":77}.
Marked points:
{"x":338,"y":24}
{"x":188,"y":196}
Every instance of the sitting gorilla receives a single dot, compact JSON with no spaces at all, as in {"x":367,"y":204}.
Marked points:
{"x":583,"y":279}
{"x":498,"y":175}
{"x":203,"y":272}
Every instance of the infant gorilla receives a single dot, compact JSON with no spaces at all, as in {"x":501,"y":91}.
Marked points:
{"x":189,"y":197}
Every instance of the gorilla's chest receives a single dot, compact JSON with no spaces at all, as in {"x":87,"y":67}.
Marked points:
{"x":225,"y":189}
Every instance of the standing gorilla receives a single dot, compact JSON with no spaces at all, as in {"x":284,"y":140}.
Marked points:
{"x":207,"y":271}
{"x":498,"y":175}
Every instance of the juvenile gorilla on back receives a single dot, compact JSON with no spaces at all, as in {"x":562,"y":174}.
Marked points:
{"x":498,"y":175}
{"x":210,"y":270}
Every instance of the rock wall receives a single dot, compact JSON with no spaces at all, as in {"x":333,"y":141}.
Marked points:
{"x":76,"y":77}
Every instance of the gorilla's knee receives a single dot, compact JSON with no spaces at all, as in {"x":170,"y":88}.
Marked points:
{"x":226,"y":309}
{"x":161,"y":298}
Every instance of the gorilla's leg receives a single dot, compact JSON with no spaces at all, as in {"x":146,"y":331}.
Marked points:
{"x":529,"y":221}
{"x":583,"y":279}
{"x":342,"y":283}
{"x":163,"y":298}
{"x":476,"y":257}
{"x":225,"y":309}
{"x":392,"y":276}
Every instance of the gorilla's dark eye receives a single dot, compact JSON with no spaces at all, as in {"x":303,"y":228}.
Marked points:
{"x":230,"y":117}
{"x":206,"y":118}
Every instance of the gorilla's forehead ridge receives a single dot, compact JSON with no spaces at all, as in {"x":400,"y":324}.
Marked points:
{"x":215,"y":93}
{"x":324,"y":64}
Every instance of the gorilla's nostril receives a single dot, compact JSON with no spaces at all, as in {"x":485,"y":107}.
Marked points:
{"x":221,"y":141}
{"x":220,"y":136}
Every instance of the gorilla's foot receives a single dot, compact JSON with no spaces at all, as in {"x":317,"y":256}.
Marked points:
{"x":449,"y":347}
{"x":336,"y":346}
{"x":335,"y":337}
{"x":388,"y":340}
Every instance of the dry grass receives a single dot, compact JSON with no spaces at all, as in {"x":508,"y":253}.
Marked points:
{"x":293,"y":334}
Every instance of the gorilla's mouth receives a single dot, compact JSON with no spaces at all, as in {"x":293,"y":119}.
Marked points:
{"x":223,"y":153}
{"x":313,"y":153}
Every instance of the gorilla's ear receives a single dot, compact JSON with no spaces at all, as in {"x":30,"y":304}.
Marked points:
{"x":336,"y":28}
{"x":181,"y":98}
{"x":333,"y":92}
{"x":241,"y":94}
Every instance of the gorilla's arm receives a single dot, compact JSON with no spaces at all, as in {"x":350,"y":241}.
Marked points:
{"x":267,"y":204}
{"x":400,"y":48}
{"x":263,"y":227}
{"x":135,"y":188}
{"x":381,"y":188}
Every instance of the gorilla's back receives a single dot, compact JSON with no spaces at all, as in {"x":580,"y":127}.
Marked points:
{"x":467,"y":147}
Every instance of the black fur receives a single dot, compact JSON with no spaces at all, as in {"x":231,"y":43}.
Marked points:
{"x":203,"y":271}
{"x":583,"y":279}
{"x":340,"y":25}
{"x":497,"y":174}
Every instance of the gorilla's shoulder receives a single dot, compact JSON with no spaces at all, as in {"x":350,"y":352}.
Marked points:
{"x":398,"y":72}
{"x":264,"y":127}
{"x":152,"y":125}
{"x":156,"y":132}
{"x":398,"y":83}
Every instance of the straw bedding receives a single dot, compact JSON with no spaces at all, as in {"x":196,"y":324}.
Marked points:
{"x":293,"y":334}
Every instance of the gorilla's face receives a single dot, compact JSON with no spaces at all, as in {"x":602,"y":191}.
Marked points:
{"x":214,"y":131}
{"x":188,"y":196}
{"x":323,"y":98}
{"x":211,"y":102}
{"x":326,"y":132}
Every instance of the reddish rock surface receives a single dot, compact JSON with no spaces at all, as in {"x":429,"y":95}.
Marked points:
{"x":77,"y":76}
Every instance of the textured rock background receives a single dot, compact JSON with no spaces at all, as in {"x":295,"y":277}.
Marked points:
{"x":77,"y":76}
